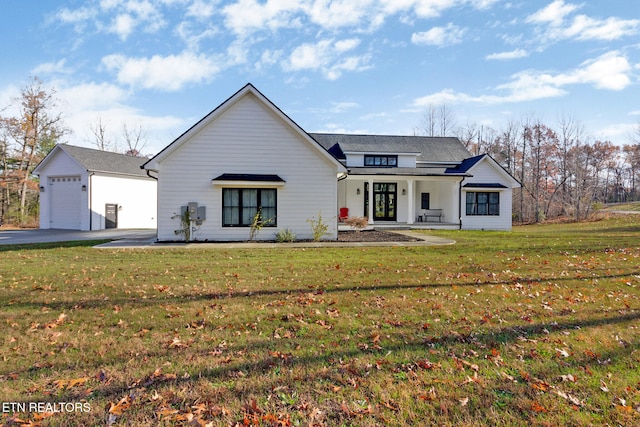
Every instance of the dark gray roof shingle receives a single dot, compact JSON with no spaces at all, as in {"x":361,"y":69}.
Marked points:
{"x":430,"y":149}
{"x":105,"y":161}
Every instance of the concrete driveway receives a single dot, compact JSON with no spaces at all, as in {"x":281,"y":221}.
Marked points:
{"x":14,"y":237}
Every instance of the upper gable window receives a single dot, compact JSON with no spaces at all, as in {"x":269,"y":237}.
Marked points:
{"x":381,"y":161}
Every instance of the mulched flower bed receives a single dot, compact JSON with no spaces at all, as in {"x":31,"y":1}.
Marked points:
{"x":373,"y":236}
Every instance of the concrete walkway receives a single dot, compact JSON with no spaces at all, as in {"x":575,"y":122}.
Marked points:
{"x":129,"y":243}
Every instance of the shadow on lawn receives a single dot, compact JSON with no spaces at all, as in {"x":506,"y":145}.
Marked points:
{"x":177,"y":299}
{"x":341,"y":360}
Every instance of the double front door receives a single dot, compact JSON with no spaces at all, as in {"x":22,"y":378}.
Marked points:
{"x":384,"y":201}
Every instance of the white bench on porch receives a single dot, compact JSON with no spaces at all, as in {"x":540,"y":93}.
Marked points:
{"x":430,"y":213}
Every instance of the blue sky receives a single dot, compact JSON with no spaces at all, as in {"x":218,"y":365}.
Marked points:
{"x":353,"y":66}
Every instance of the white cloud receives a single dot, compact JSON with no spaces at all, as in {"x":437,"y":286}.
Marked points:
{"x":123,"y":17}
{"x":82,"y":14}
{"x":439,"y":36}
{"x":168,"y":73}
{"x":585,"y":28}
{"x":341,"y":107}
{"x":422,"y":8}
{"x":202,"y":9}
{"x":86,"y":103}
{"x":610,"y":71}
{"x":123,"y":26}
{"x":553,"y":14}
{"x":325,"y":56}
{"x":558,"y":25}
{"x":339,"y":13}
{"x":247,"y":16}
{"x":192,"y":35}
{"x":513,"y":54}
{"x":58,"y":67}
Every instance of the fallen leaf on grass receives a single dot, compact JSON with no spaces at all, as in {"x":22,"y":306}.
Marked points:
{"x":61,"y":384}
{"x":177,"y":343}
{"x":571,"y":399}
{"x":429,"y":396}
{"x":56,"y":322}
{"x":122,"y":405}
{"x":536,"y":407}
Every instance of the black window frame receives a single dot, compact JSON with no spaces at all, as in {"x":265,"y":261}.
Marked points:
{"x":239,"y":208}
{"x":380,"y":161}
{"x":480,"y":203}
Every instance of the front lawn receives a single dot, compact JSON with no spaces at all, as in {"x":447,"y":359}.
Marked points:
{"x":539,"y":326}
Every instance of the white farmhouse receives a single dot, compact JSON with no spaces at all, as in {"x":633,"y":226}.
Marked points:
{"x":86,"y":189}
{"x":247,"y":156}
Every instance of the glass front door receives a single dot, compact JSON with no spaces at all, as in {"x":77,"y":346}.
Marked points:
{"x":384,"y":201}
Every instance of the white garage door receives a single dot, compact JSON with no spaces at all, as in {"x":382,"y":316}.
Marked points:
{"x":65,"y":202}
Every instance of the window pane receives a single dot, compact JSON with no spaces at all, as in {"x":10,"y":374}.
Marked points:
{"x":393,"y":161}
{"x":230,"y":216}
{"x":268,"y":198}
{"x":230,"y":206}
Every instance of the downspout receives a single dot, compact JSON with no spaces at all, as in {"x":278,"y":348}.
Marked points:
{"x":89,"y":193}
{"x":460,"y":203}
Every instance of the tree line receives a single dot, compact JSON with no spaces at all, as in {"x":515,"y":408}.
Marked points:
{"x":28,"y":135}
{"x":563,"y":171}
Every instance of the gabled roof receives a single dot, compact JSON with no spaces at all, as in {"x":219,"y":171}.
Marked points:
{"x":468,"y":164}
{"x":152,"y":164}
{"x":427,"y":149}
{"x":93,"y":160}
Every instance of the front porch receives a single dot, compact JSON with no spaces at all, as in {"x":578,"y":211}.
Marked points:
{"x":408,"y":202}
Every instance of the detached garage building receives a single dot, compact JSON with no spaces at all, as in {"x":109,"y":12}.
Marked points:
{"x":86,"y":189}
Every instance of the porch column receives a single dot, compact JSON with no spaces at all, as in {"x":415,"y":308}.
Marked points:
{"x":370,"y":196}
{"x":411,"y":206}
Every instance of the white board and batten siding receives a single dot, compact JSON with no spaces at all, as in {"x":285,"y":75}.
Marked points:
{"x":485,"y":172}
{"x":247,"y":138}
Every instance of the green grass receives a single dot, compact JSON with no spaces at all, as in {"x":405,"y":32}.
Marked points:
{"x":539,"y":326}
{"x":633,"y":206}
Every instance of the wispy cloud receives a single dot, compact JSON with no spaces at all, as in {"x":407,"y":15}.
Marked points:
{"x":504,"y":56}
{"x":58,"y":67}
{"x":439,"y":36}
{"x":610,"y":71}
{"x":557,"y":23}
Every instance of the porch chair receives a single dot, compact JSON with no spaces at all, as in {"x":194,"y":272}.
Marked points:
{"x":344,"y":214}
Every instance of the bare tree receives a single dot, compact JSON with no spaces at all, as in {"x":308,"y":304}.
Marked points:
{"x":135,"y":139}
{"x":99,"y":131}
{"x":438,"y":120}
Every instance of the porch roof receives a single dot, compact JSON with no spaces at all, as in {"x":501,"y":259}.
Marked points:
{"x":419,"y":172}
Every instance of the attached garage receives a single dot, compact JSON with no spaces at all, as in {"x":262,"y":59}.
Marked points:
{"x":86,"y":189}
